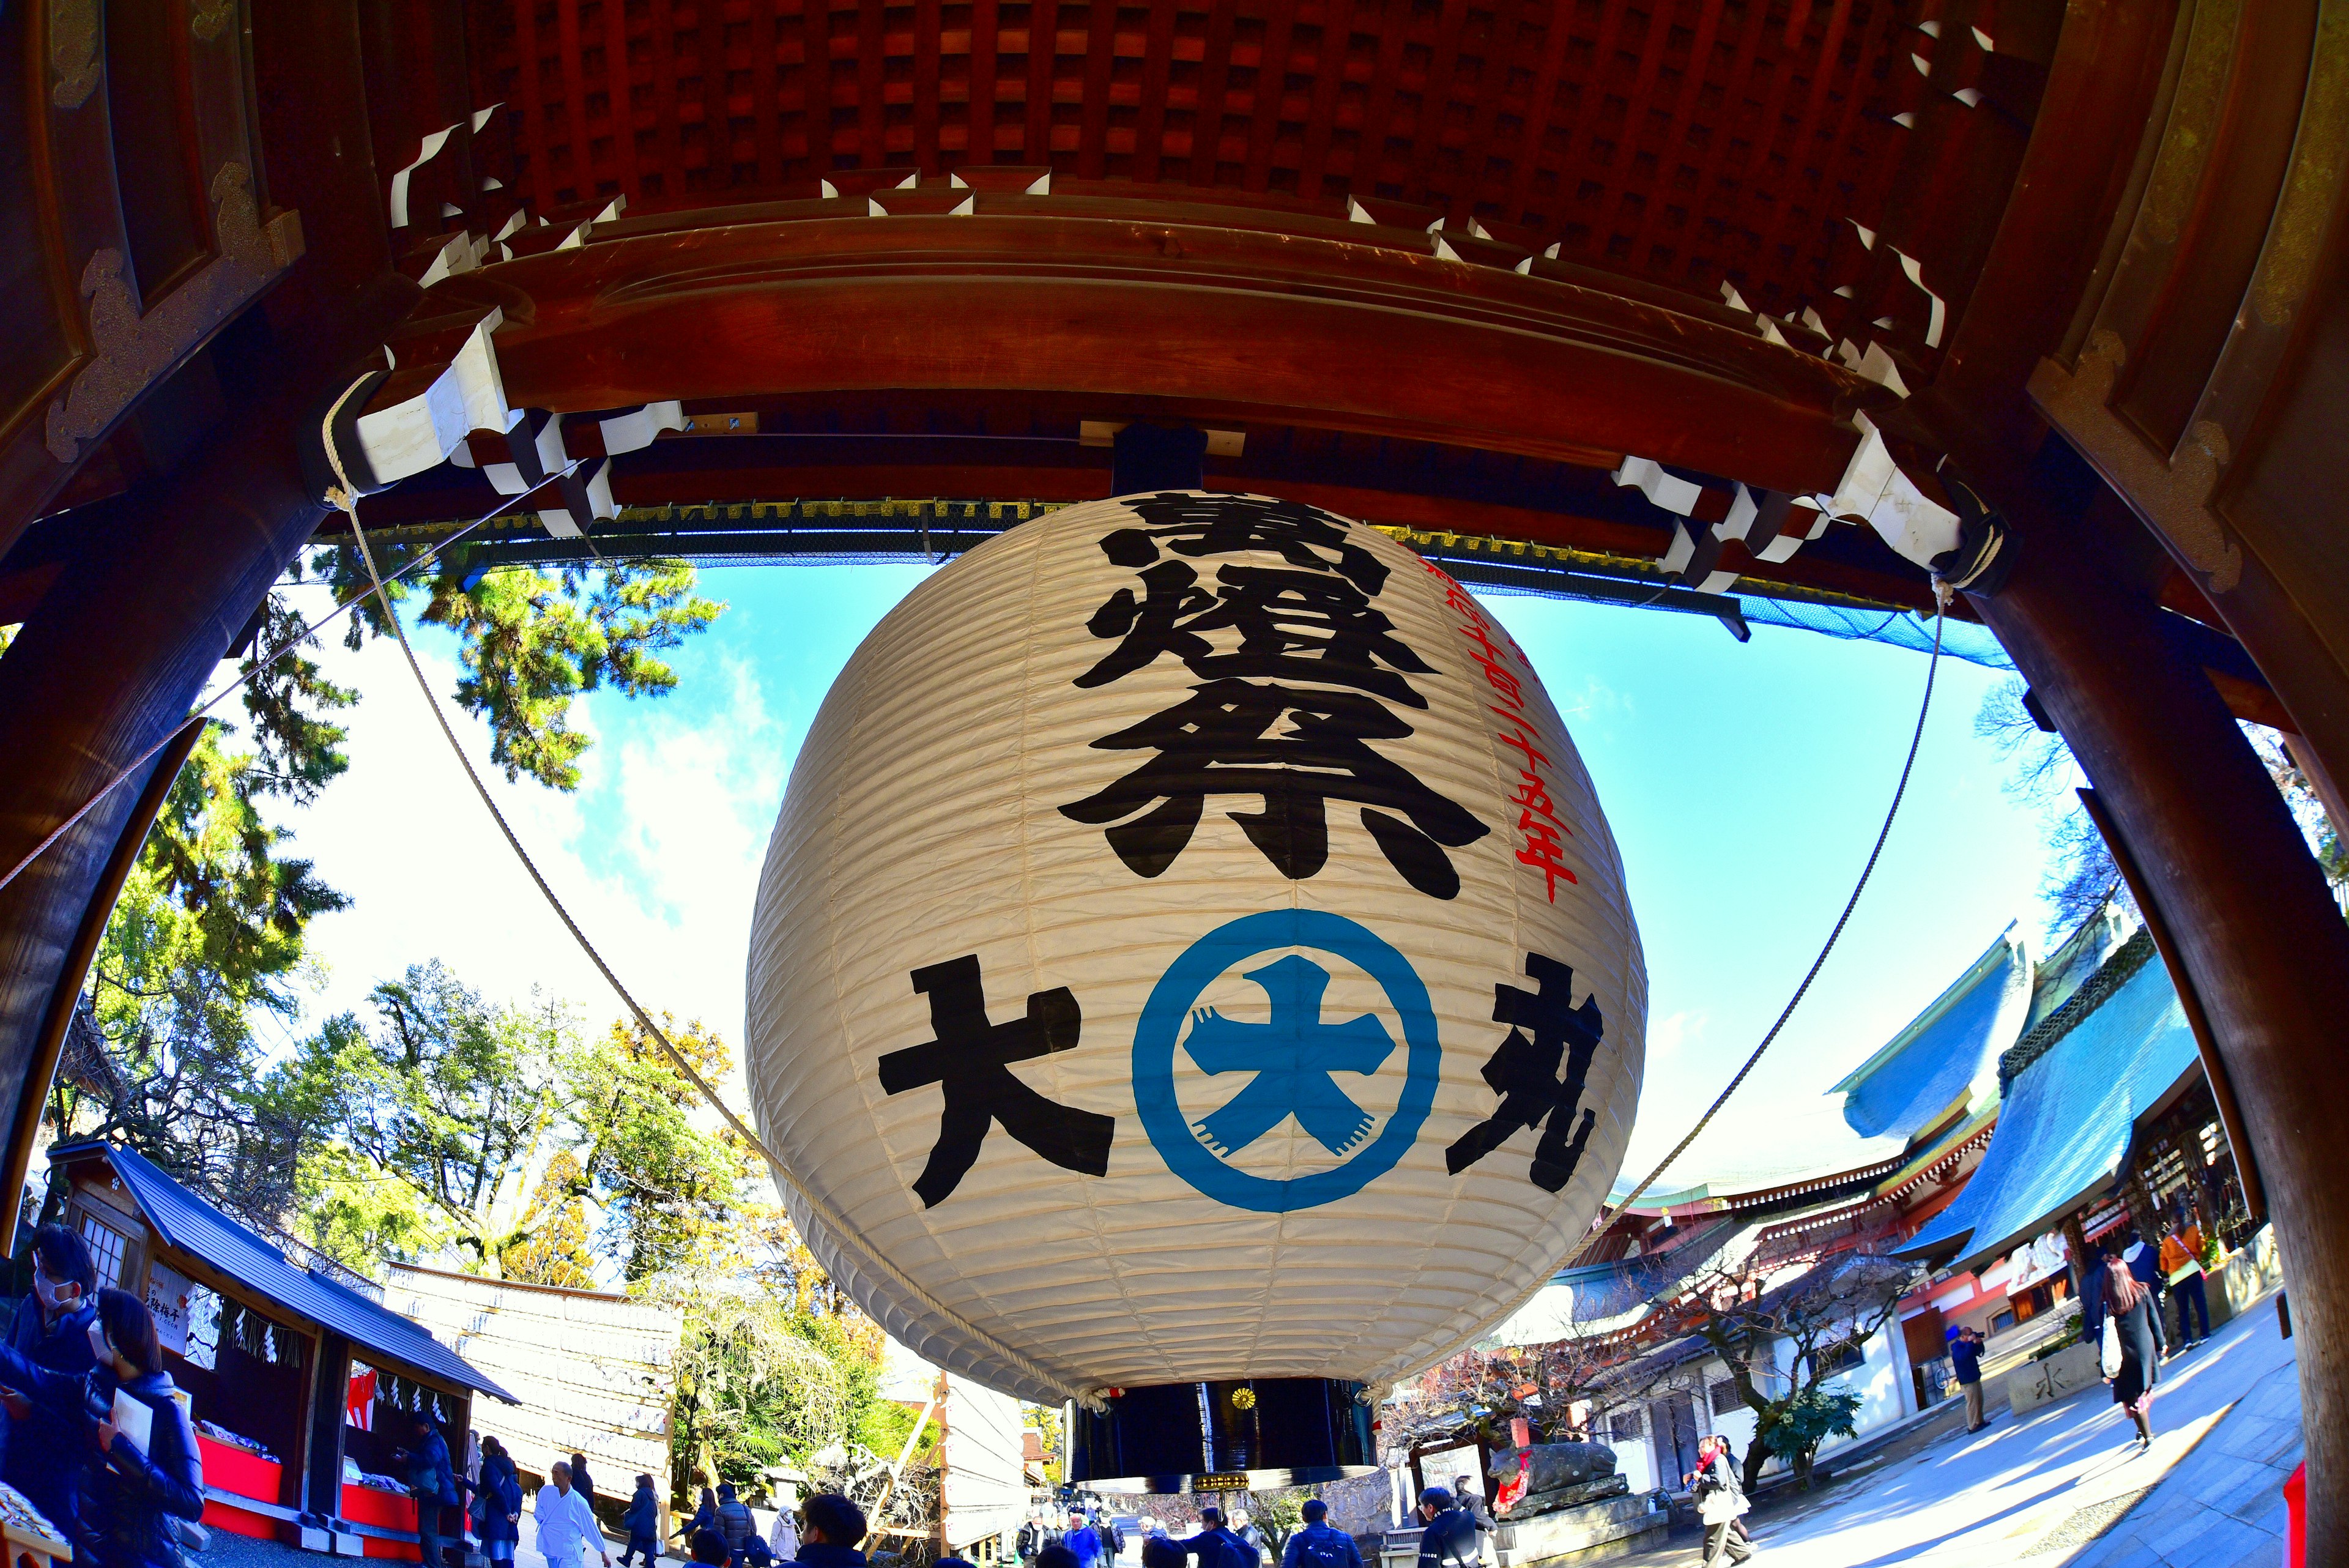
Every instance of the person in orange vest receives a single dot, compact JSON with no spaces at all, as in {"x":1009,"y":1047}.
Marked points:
{"x":2181,"y":1265}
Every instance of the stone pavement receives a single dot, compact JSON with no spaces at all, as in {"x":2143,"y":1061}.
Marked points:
{"x":2061,"y":1487}
{"x":2223,"y":1505}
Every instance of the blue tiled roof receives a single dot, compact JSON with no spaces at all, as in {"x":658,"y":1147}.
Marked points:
{"x":2077,"y":959}
{"x":1950,"y":1051}
{"x":195,"y":1226}
{"x":2068,"y":1117}
{"x":1603,"y":1297}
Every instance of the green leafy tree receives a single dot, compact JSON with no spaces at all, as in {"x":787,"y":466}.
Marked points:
{"x":531,"y":642}
{"x":551,"y":1242}
{"x":759,"y":1382}
{"x":1785,"y":1340}
{"x":1808,"y":1418}
{"x":1044,"y":1420}
{"x":358,"y":1214}
{"x":1281,"y":1515}
{"x":452,"y":1095}
{"x":206,"y":939}
{"x":671,"y":1188}
{"x":298,"y":750}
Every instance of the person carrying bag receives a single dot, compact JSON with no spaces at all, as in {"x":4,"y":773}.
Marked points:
{"x":1719,"y":1501}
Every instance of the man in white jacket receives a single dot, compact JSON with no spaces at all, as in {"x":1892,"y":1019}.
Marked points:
{"x":783,"y":1536}
{"x":566,"y":1525}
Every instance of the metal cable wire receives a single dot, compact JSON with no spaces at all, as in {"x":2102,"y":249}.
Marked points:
{"x":263,"y":663}
{"x":1916,"y":739}
{"x":1059,"y":1382}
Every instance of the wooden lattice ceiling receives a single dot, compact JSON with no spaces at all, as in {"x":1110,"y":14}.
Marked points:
{"x":1687,"y":141}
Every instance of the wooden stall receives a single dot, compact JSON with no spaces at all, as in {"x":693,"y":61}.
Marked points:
{"x":302,"y":1385}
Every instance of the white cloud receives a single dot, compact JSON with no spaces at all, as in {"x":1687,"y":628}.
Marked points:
{"x":1668,"y":1034}
{"x":657,"y":855}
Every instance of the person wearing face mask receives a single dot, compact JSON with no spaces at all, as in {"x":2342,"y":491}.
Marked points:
{"x":51,"y":1330}
{"x":129,"y":1492}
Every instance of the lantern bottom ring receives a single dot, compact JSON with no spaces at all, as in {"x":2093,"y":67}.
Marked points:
{"x":1242,"y":1434}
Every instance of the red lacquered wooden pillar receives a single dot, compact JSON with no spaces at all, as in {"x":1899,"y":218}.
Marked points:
{"x":2263,"y":944}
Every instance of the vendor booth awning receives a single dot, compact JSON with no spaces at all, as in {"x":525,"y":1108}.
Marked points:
{"x":2116,"y":1053}
{"x":193,"y":1226}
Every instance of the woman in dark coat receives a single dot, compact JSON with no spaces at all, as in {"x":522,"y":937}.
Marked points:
{"x":704,"y":1518}
{"x":499,"y":1493}
{"x":129,"y":1496}
{"x":2131,"y":1306}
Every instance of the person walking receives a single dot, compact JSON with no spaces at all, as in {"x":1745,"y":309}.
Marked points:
{"x":1083,"y":1541}
{"x":51,"y":1330}
{"x":1447,"y":1537}
{"x":1965,"y":1358}
{"x":2181,"y":1265}
{"x":1245,"y":1531}
{"x":581,"y":1481}
{"x":566,"y":1525}
{"x":1031,"y":1539}
{"x":834,"y":1527}
{"x":704,"y":1518}
{"x":1214,"y":1546}
{"x":130,"y":1488}
{"x":1317,"y":1544}
{"x":783,"y":1536}
{"x":735,"y":1523}
{"x":1719,"y":1501}
{"x":2145,"y":1266}
{"x":497,"y":1500}
{"x":434,"y":1487}
{"x":641,"y":1525}
{"x":2128,"y":1304}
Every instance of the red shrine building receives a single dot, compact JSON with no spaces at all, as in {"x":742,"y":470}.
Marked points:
{"x":1799,"y":311}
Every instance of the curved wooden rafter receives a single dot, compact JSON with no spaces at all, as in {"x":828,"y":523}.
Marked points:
{"x":1258,"y":322}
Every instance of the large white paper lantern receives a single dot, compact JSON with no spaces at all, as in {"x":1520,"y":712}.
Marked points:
{"x":1191,"y":950}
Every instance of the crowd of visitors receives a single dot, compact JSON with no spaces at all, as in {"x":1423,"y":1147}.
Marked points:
{"x":97,"y":1441}
{"x":2121,"y":1308}
{"x":835,"y":1528}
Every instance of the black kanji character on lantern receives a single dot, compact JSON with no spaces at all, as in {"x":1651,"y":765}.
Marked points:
{"x":1197,"y":525}
{"x":1293,"y":625}
{"x":971,"y":1059}
{"x":1218,"y":742}
{"x":1523,"y":1072}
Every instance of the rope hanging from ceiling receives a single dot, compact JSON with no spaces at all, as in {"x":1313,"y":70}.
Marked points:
{"x":346,"y":498}
{"x":1916,"y":739}
{"x":263,"y":661}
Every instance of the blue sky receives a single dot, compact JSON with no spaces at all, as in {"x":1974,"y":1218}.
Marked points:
{"x":1744,"y":781}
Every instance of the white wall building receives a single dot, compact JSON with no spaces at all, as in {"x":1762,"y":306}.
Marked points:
{"x":1655,"y":1437}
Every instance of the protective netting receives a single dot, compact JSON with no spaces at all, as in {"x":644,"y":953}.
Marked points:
{"x":1966,"y":639}
{"x":933,"y":531}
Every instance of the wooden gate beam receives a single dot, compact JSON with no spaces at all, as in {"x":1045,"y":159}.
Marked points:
{"x":1212,"y":323}
{"x":163,"y":579}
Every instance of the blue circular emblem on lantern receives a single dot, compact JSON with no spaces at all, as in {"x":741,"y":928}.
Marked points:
{"x":1289,"y":1062}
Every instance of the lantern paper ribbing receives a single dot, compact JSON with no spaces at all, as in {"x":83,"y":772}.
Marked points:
{"x":1191,"y":948}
